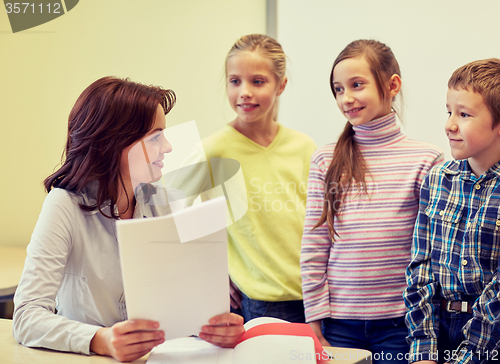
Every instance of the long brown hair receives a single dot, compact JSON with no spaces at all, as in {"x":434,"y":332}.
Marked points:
{"x":108,"y":116}
{"x":348,"y":164}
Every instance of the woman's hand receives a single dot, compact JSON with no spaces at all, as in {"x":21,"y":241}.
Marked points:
{"x":316,"y":326}
{"x":235,"y":294}
{"x":127,"y":340}
{"x":224,"y":330}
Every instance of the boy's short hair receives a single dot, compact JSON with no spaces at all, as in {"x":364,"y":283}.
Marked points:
{"x":483,"y":77}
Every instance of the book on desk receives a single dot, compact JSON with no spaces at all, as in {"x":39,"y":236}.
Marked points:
{"x":266,"y":341}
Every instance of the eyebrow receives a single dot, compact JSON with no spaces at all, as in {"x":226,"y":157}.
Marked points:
{"x":255,"y":75}
{"x":352,"y":79}
{"x":155,"y":130}
{"x":461,"y":106}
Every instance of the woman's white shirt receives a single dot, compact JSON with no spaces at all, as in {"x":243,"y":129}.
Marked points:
{"x":73,"y":265}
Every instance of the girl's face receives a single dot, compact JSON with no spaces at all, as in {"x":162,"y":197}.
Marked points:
{"x":357,"y":93}
{"x":142,"y":161}
{"x":252,"y":87}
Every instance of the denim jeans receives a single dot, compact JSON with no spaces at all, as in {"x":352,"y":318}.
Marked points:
{"x":450,"y":333}
{"x":292,"y":311}
{"x":385,"y":339}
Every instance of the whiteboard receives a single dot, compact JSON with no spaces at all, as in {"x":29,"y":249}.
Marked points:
{"x":430,"y":39}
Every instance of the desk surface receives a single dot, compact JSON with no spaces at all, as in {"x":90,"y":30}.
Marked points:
{"x":15,"y":353}
{"x":11,"y":268}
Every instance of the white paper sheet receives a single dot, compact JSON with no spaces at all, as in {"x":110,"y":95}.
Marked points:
{"x":266,"y":349}
{"x":189,"y":350}
{"x":180,"y":284}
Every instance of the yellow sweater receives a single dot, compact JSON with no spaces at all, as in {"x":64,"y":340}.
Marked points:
{"x":264,"y":245}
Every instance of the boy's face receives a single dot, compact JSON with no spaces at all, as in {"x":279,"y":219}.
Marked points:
{"x":470,"y":130}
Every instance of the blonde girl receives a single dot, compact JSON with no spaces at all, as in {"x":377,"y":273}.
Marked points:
{"x":362,"y":202}
{"x":264,"y":245}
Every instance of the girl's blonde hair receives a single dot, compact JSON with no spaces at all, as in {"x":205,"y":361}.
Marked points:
{"x":348,"y":164}
{"x":269,"y":48}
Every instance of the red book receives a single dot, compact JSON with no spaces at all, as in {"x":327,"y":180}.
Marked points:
{"x":288,"y":328}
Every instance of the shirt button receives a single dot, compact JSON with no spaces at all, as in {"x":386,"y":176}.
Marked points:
{"x":464,"y":262}
{"x":498,"y":222}
{"x":441,"y":213}
{"x":478,"y":186}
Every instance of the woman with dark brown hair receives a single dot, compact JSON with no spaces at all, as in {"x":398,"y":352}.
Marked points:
{"x":114,"y":150}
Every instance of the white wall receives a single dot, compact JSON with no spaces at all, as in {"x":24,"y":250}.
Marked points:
{"x":429,"y":38}
{"x":177,"y":44}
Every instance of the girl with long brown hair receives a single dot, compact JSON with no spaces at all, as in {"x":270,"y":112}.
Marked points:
{"x":114,"y":150}
{"x":362,"y":202}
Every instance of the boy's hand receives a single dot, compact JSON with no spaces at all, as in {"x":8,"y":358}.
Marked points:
{"x":224,"y":330}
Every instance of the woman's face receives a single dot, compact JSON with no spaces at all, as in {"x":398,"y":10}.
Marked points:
{"x":142,"y":161}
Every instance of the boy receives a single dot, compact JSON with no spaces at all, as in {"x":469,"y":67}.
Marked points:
{"x":453,"y":293}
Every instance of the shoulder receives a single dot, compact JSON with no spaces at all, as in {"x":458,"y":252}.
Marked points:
{"x":61,"y":198}
{"x":214,"y":141}
{"x":298,"y":136}
{"x":322,"y":157}
{"x":323,"y":153}
{"x":447,"y":170}
{"x":423,"y":146}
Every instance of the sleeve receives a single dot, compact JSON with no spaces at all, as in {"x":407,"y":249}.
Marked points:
{"x":422,"y":293}
{"x":35,"y":323}
{"x":483,"y":330}
{"x":437,"y":158}
{"x":315,"y":251}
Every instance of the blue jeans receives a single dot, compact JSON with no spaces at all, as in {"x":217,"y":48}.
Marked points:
{"x":450,"y":333}
{"x":385,"y":339}
{"x":292,"y":311}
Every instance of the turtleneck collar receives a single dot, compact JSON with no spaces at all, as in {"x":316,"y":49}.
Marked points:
{"x":378,"y":132}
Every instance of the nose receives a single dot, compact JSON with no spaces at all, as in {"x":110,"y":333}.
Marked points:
{"x":451,"y":125}
{"x":245,"y":92}
{"x":347,"y":97}
{"x":166,"y":147}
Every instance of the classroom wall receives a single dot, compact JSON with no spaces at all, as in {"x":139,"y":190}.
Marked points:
{"x":429,"y":38}
{"x":172,"y":43}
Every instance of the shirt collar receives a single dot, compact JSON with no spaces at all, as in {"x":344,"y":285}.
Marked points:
{"x":378,"y":132}
{"x":462,"y":167}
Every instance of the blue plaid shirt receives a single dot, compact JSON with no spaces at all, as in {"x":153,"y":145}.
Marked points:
{"x":455,"y":253}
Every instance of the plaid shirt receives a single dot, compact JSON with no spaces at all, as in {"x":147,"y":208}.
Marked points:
{"x":455,"y":253}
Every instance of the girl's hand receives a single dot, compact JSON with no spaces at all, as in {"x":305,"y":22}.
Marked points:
{"x":127,"y":340}
{"x":316,"y":326}
{"x":224,"y":330}
{"x":235,"y":295}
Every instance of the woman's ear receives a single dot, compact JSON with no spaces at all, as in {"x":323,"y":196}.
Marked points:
{"x":394,"y":85}
{"x":282,"y":85}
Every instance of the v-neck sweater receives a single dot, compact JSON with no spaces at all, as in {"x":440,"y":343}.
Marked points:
{"x":264,"y":245}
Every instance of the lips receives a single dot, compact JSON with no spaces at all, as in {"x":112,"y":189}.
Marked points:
{"x":354,"y":110}
{"x":453,"y":138}
{"x":248,"y":107}
{"x":158,"y":163}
